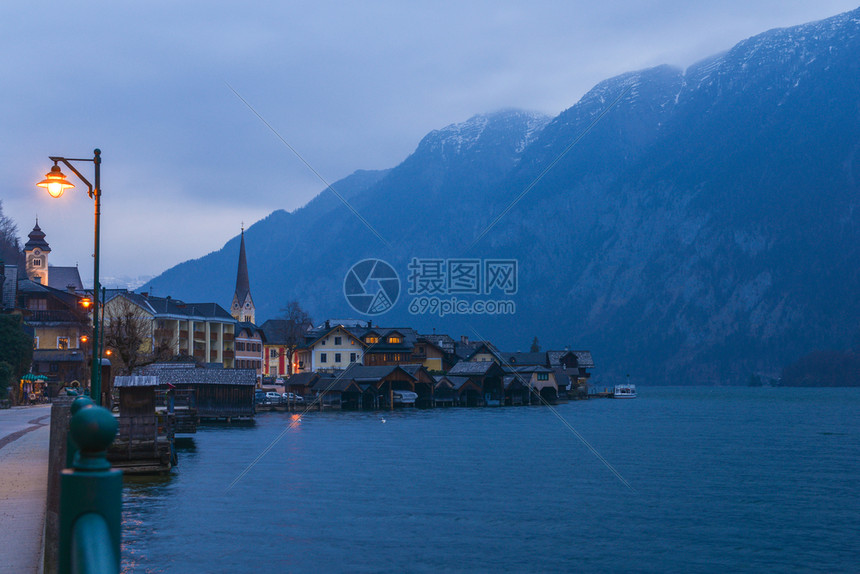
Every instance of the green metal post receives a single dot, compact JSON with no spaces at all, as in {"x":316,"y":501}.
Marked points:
{"x":71,"y":448}
{"x":96,"y":378}
{"x":91,"y":497}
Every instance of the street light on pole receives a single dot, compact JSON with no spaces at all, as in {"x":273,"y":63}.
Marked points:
{"x":56,"y":183}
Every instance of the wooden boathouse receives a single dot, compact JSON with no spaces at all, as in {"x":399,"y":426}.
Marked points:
{"x":221,"y":394}
{"x":144,"y":442}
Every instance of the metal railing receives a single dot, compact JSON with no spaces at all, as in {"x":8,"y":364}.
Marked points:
{"x":90,"y":495}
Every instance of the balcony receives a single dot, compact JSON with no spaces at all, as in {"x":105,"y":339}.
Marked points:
{"x":228,"y":337}
{"x":56,"y":316}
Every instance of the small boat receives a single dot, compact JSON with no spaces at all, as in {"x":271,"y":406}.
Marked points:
{"x":404,"y":397}
{"x":625,"y":391}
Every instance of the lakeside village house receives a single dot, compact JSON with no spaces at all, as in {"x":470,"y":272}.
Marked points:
{"x":343,"y":363}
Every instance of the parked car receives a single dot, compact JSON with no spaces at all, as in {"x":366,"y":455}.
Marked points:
{"x":273,"y":397}
{"x":293,"y":398}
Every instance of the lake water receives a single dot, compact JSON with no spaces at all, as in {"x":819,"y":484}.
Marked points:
{"x":720,"y":480}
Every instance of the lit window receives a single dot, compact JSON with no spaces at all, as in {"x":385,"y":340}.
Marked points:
{"x":370,"y":339}
{"x":62,"y":342}
{"x":394,"y":339}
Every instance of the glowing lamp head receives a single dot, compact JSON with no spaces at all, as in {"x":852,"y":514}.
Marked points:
{"x":86,"y":302}
{"x":55,"y":182}
{"x":84,"y":339}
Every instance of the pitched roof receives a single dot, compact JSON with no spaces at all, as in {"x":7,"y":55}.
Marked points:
{"x":314,"y":335}
{"x":471,"y":368}
{"x":583,"y":358}
{"x":174,"y":307}
{"x":64,"y":277}
{"x":370,"y":373}
{"x":305,"y":379}
{"x":181,"y":373}
{"x":136,"y":381}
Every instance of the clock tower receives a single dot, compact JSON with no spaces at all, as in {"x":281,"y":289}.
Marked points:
{"x":36,"y":251}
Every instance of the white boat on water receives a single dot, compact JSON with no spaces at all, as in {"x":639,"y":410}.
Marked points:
{"x":625,"y":391}
{"x":405,"y":397}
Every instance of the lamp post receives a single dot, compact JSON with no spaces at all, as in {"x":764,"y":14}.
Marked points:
{"x":56,"y":183}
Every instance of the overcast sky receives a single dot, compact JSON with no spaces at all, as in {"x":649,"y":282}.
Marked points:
{"x":349,"y":85}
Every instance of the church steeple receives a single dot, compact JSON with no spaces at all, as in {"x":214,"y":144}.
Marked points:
{"x":36,"y":251}
{"x":243,"y":306}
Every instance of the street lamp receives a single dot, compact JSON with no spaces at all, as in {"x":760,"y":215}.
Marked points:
{"x":56,"y":183}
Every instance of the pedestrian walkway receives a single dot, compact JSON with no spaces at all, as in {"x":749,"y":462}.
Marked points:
{"x":24,"y":440}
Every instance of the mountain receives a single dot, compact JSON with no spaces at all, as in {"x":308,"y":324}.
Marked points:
{"x":703,"y":229}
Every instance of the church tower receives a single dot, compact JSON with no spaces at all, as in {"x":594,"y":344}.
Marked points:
{"x":36,"y":251}
{"x":243,"y":306}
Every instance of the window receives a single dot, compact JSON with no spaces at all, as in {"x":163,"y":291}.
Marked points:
{"x":37,"y":262}
{"x":323,"y":358}
{"x":35,"y":342}
{"x":55,"y":367}
{"x":352,"y":357}
{"x":240,"y":346}
{"x":395,"y":339}
{"x":543,"y":376}
{"x":371,"y":339}
{"x":337,"y":357}
{"x":62,"y":342}
{"x":338,"y":340}
{"x":273,"y":353}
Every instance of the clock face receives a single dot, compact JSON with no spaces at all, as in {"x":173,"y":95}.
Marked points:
{"x":36,"y":252}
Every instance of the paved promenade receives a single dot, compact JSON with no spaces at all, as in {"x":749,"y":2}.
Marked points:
{"x":24,"y":438}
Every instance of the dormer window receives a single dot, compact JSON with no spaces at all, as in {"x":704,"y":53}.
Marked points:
{"x":371,"y":339}
{"x":395,"y":339}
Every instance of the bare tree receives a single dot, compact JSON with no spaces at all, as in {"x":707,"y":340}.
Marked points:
{"x":128,"y":332}
{"x":10,"y":246}
{"x":290,"y":330}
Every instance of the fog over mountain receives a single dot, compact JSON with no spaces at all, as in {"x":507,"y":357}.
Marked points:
{"x":706,"y":228}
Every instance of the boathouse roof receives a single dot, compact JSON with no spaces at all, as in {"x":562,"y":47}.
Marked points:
{"x":126,"y":381}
